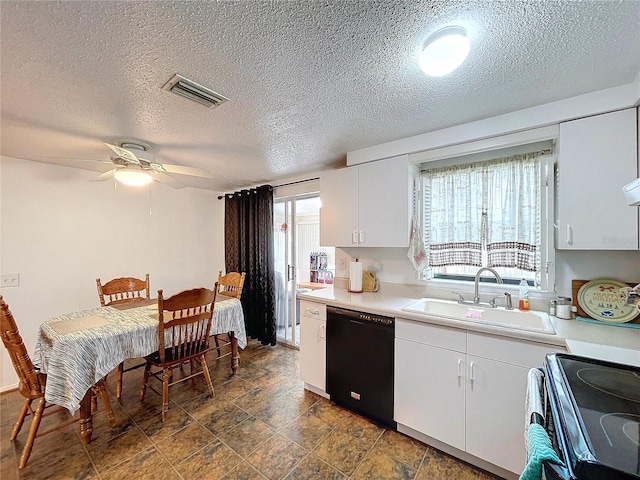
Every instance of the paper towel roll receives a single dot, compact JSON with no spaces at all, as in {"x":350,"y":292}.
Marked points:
{"x":355,"y":277}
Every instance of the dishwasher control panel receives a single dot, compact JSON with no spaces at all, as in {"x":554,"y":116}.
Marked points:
{"x":362,"y":316}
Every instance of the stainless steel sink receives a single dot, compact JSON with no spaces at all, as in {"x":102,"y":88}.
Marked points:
{"x":530,"y":321}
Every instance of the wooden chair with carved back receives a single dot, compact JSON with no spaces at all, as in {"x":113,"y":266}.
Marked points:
{"x":229,"y":285}
{"x":184,"y":325}
{"x":121,"y":291}
{"x":32,"y":387}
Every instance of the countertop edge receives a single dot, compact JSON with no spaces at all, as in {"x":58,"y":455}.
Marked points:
{"x":393,"y":298}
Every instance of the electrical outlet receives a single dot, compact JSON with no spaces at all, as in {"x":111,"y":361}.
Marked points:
{"x":10,"y":280}
{"x":342,"y":263}
{"x":376,"y":266}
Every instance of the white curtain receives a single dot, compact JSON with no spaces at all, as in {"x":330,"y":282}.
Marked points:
{"x":484,"y":214}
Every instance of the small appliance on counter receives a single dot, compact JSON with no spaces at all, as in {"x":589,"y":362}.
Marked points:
{"x":369,"y":282}
{"x":563,"y":308}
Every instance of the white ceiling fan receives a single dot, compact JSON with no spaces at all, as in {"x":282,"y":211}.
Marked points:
{"x":135,"y":165}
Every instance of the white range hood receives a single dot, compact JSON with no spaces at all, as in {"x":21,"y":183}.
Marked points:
{"x":632,"y":193}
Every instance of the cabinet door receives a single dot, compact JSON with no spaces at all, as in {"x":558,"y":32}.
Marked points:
{"x":385,"y":190}
{"x":495,"y":398}
{"x":313,"y":351}
{"x":597,"y":156}
{"x":339,"y":211}
{"x":429,"y":391}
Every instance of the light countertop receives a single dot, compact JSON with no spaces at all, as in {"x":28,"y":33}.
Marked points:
{"x":606,"y":342}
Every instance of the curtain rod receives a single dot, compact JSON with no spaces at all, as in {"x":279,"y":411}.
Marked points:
{"x":220,"y":197}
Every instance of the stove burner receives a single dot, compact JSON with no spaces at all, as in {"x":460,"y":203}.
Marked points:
{"x":626,"y":424}
{"x":622,"y":384}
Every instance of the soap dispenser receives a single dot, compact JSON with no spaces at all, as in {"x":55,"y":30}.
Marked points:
{"x":523,"y":302}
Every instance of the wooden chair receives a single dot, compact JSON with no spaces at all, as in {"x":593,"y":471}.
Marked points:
{"x":184,"y":324}
{"x":229,"y":285}
{"x":120,"y":291}
{"x":32,"y":386}
{"x":123,"y":290}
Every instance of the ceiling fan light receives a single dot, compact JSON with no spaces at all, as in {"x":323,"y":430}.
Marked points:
{"x":132,"y":178}
{"x":444,"y":51}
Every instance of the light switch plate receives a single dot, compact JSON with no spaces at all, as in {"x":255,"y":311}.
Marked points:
{"x":10,"y":280}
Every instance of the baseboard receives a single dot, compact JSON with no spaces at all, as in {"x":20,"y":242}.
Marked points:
{"x":9,"y":388}
{"x":316,"y":390}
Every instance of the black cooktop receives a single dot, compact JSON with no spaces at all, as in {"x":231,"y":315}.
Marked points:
{"x":605,"y":399}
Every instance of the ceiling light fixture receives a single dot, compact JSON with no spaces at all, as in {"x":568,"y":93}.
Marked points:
{"x":444,"y":51}
{"x":132,"y":178}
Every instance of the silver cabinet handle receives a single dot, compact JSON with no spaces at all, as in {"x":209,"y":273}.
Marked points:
{"x":569,"y":235}
{"x":361,"y":236}
{"x":354,"y":236}
{"x":459,"y":368}
{"x":313,"y":311}
{"x":471,"y":372}
{"x":323,"y":332}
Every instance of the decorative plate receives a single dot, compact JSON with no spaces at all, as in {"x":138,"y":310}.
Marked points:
{"x":601,"y":299}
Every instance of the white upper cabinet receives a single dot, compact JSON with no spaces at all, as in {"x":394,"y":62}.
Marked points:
{"x":597,"y":156}
{"x":367,"y":205}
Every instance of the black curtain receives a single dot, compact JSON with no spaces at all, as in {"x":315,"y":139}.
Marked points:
{"x":248,"y":228}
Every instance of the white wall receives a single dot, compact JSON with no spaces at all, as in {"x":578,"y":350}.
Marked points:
{"x":60,"y":232}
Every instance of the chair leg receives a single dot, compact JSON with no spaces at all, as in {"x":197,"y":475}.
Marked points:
{"x":192,"y":369}
{"x":166,"y":375}
{"x":119,"y":372}
{"x":100,"y":389}
{"x":26,"y":407}
{"x":215,"y":337}
{"x":33,"y":430}
{"x":207,"y":376}
{"x":145,"y":379}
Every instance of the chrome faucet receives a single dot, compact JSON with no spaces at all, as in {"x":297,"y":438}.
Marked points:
{"x":476,"y":295}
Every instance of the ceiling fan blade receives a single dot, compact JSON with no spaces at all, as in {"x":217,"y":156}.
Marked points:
{"x":124,"y":154}
{"x":65,"y":159}
{"x":104,"y":176}
{"x":167,"y":180}
{"x":182,"y":170}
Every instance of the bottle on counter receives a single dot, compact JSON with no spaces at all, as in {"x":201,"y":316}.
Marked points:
{"x":523,"y":302}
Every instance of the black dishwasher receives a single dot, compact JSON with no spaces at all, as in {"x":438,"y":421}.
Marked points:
{"x":360,"y":356}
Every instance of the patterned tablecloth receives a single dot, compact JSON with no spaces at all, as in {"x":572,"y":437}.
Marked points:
{"x":76,"y":359}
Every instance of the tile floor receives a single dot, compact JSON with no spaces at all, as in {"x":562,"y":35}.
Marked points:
{"x":261,"y":424}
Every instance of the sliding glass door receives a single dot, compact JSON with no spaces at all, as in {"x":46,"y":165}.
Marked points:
{"x":296,"y":242}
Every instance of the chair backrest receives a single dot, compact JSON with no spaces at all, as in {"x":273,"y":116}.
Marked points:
{"x":31,"y":384}
{"x":123,"y":290}
{"x":231,"y":284}
{"x":185,"y":323}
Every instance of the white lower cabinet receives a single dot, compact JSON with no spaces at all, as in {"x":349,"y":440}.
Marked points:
{"x":495,"y":410}
{"x":465,"y":389}
{"x":313,"y":344}
{"x":422,"y":392}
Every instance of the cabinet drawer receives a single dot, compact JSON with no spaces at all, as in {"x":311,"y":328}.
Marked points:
{"x":313,"y":309}
{"x":509,"y":350}
{"x":435,"y":335}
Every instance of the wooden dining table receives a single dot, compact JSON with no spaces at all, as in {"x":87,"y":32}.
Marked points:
{"x":77,"y":349}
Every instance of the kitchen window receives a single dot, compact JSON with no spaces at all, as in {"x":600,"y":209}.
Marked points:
{"x":494,"y":213}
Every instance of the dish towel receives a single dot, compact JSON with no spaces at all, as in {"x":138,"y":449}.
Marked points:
{"x":533,"y":400}
{"x":539,"y":449}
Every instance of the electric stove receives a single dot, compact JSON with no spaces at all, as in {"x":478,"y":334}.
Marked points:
{"x":594,"y":418}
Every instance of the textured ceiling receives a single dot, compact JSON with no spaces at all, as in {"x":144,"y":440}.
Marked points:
{"x":307,"y":81}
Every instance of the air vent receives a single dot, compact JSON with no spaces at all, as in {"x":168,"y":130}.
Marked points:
{"x":192,"y":91}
